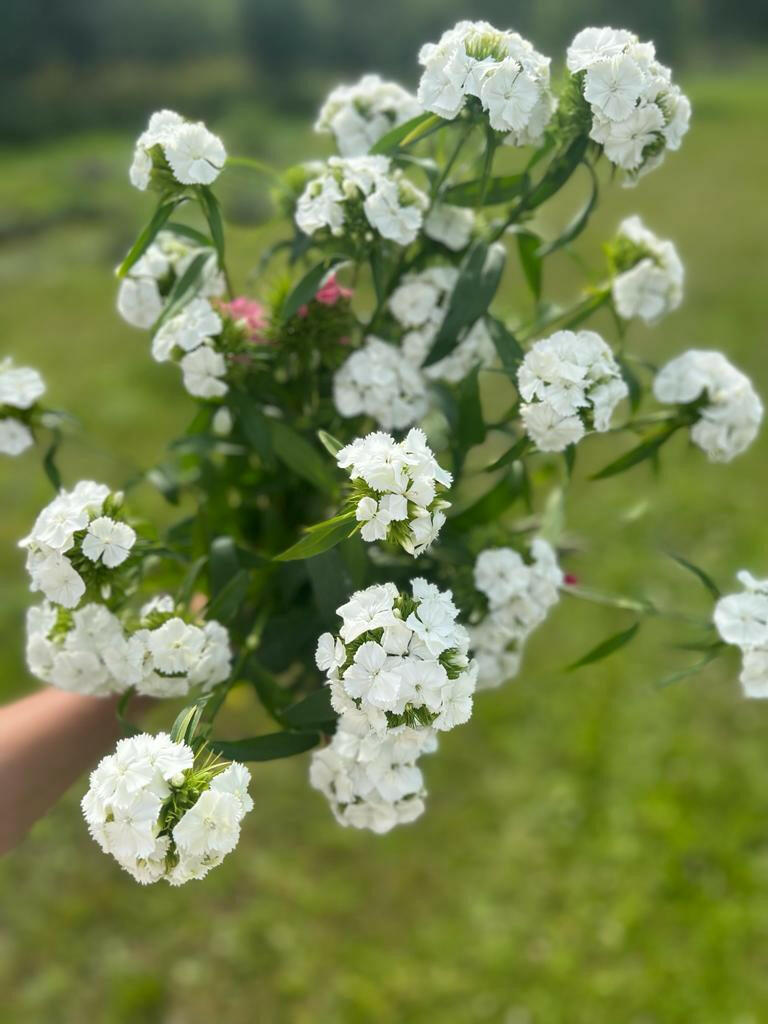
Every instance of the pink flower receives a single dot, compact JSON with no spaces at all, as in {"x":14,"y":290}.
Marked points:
{"x":570,"y":580}
{"x":330,"y":291}
{"x":248,"y":312}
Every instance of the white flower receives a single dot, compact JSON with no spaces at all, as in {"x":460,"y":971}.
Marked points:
{"x":404,"y":477}
{"x":139,"y":302}
{"x":654,"y":285}
{"x":450,"y":225}
{"x":372,"y":781}
{"x":202,"y":371}
{"x":126,"y":811}
{"x":520,"y":594}
{"x":368,"y":186}
{"x":502,"y":69}
{"x":637,"y":110}
{"x":742,"y":619}
{"x":624,"y":142}
{"x":592,"y":45}
{"x":59,"y":582}
{"x":221,"y":424}
{"x":399,"y":672}
{"x":15,"y":436}
{"x":195,"y":154}
{"x":396,"y":215}
{"x":20,"y":386}
{"x":175,"y":646}
{"x":729,"y":420}
{"x":376,"y":381}
{"x":195,"y":325}
{"x":509,"y":95}
{"x":358,"y":115}
{"x":109,"y":541}
{"x":614,"y":85}
{"x":561,"y":378}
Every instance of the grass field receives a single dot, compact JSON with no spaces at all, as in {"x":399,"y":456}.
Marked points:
{"x":595,"y":849}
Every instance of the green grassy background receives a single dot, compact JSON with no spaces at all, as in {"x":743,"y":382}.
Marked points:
{"x":595,"y":849}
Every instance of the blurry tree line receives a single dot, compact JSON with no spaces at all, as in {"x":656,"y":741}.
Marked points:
{"x":69,"y":64}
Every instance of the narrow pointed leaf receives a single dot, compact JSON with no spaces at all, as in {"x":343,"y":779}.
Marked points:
{"x":314,"y":712}
{"x":497,"y":190}
{"x":307,"y":287}
{"x":399,"y":136}
{"x":528,"y":245}
{"x":266,"y":748}
{"x":479,"y":276}
{"x":699,"y":573}
{"x":579,"y":222}
{"x":607,"y":647}
{"x":645,"y":450}
{"x":509,"y":350}
{"x":162,"y":213}
{"x":331,"y":444}
{"x":301,"y":456}
{"x":319,"y":538}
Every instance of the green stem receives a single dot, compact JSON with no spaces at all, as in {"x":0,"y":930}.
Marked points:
{"x":646,"y":608}
{"x":252,"y":165}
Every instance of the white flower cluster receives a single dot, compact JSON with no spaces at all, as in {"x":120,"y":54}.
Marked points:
{"x":160,"y":815}
{"x":730,"y":411}
{"x":398,"y":672}
{"x":561,"y":380}
{"x":194,"y":155}
{"x":372,"y":781}
{"x":358,"y":115}
{"x":742,"y":619}
{"x":141,"y":297}
{"x":637,"y":112}
{"x":418,"y":304}
{"x":74,"y":535}
{"x":400,"y":659}
{"x":189,"y":338}
{"x":20,"y":388}
{"x":90,"y":651}
{"x":501,"y":69}
{"x":396,"y":489}
{"x":652,"y":286}
{"x":377,"y":381}
{"x":519,"y":597}
{"x":360,"y":193}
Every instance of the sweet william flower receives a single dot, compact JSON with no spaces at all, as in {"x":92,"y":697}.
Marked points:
{"x":15,"y":436}
{"x":20,"y":386}
{"x":194,"y":154}
{"x":613,"y":86}
{"x":108,"y":541}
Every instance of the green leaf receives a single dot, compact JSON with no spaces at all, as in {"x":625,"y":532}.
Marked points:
{"x":182,"y":289}
{"x":579,"y":222}
{"x":607,"y":647}
{"x":331,"y":444}
{"x":497,"y":190}
{"x":632,"y":382}
{"x":491,"y":505}
{"x":185,"y":726}
{"x":320,"y":537}
{"x":509,"y":350}
{"x":223,"y":563}
{"x":162,"y":213}
{"x":645,"y":450}
{"x":699,"y":573}
{"x":479,"y":275}
{"x":227,"y":603}
{"x":470,"y":427}
{"x":314,"y":712}
{"x":528,"y":245}
{"x":266,"y":748}
{"x":253,"y":423}
{"x":50,"y":468}
{"x":272,"y":695}
{"x":191,"y":233}
{"x":558,"y":172}
{"x":406,"y":133}
{"x":685,"y":673}
{"x":212,"y":211}
{"x":331,"y":583}
{"x":187,"y":587}
{"x":309,"y":284}
{"x":513,"y":454}
{"x":129,"y":729}
{"x":300,"y":456}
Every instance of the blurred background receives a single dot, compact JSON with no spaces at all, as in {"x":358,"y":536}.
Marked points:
{"x":595,"y":847}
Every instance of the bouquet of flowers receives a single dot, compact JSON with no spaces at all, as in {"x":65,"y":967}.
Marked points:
{"x":335,"y":552}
